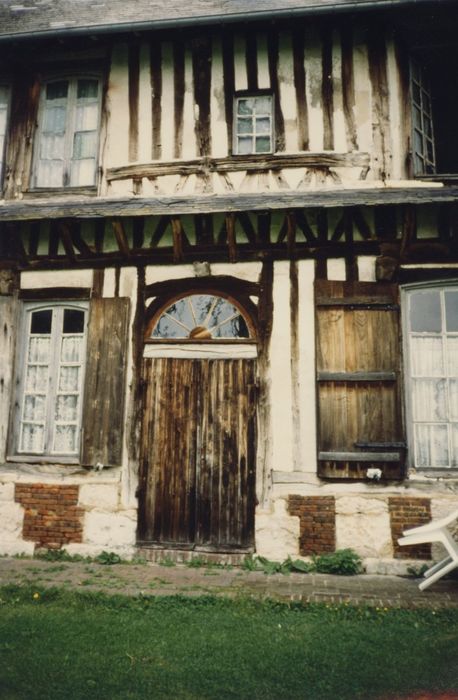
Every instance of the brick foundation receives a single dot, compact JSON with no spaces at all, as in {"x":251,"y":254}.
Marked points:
{"x":404,"y":514}
{"x":52,"y":518}
{"x":317,"y":516}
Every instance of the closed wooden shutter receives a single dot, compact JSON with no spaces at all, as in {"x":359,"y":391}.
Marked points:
{"x":103,"y":408}
{"x":358,"y":375}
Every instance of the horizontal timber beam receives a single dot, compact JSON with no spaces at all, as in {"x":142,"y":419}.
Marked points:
{"x":234,"y":163}
{"x":222,"y":203}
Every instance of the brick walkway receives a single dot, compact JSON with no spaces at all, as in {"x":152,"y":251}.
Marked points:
{"x":154,"y":579}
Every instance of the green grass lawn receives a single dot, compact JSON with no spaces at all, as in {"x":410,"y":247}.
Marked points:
{"x":59,"y":644}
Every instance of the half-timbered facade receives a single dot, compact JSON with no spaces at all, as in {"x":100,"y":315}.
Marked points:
{"x":228,"y":276}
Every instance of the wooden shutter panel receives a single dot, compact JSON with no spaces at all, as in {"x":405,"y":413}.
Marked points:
{"x":103,"y":407}
{"x":358,"y":376}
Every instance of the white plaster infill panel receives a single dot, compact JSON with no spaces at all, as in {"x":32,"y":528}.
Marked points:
{"x":56,"y":278}
{"x":11,"y":521}
{"x":100,"y":496}
{"x":110,"y":531}
{"x":363,"y":524}
{"x":277,"y":532}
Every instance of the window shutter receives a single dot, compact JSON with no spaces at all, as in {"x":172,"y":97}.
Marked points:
{"x":103,"y":409}
{"x":358,"y":376}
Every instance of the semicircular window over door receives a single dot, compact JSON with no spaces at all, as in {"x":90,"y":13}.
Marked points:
{"x":202,"y":317}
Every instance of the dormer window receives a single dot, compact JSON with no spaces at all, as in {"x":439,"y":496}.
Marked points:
{"x":253,"y":124}
{"x":67,"y":141}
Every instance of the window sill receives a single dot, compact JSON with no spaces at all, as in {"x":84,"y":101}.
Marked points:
{"x":39,"y":192}
{"x":42,"y":459}
{"x":438,"y":177}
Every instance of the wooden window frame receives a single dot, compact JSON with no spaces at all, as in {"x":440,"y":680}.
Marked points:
{"x":47,"y":456}
{"x":406,"y":291}
{"x":70,"y":130}
{"x":247,"y":94}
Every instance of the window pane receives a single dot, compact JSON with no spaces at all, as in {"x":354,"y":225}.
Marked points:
{"x":245,"y":106}
{"x":235,"y":328}
{"x":57,"y":90}
{"x":425,"y":312}
{"x":50,"y":173}
{"x":41,"y":321}
{"x":263,"y":144}
{"x":452,"y":356}
{"x":168,"y":328}
{"x":453,"y":399}
{"x":417,"y":118}
{"x":69,"y":379}
{"x":71,"y":350}
{"x":429,"y":400}
{"x":65,"y":439}
{"x":454,"y":440}
{"x":451,"y":311}
{"x":416,"y":93}
{"x":84,"y":144}
{"x":39,"y":350}
{"x":418,"y":142}
{"x":4,"y":95}
{"x":244,"y":145}
{"x":203,"y":316}
{"x":87,"y":88}
{"x":82,"y":173}
{"x":73,"y":321}
{"x":431,"y":446}
{"x":244,"y":125}
{"x":32,"y":438}
{"x":52,"y":147}
{"x":3,"y":113}
{"x":263,"y":105}
{"x":34,"y":408}
{"x":87,"y":117}
{"x":263,"y":125}
{"x":66,"y":408}
{"x":54,"y":120}
{"x":36,"y":378}
{"x":426,"y":356}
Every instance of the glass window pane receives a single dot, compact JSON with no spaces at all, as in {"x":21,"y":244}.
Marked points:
{"x":263,"y":105}
{"x":235,"y":328}
{"x":65,"y":439}
{"x":84,"y":144}
{"x":244,"y":145}
{"x":430,"y":150}
{"x":73,"y":321}
{"x":453,"y":399}
{"x":203,"y":316}
{"x":263,"y":144}
{"x":87,"y":88}
{"x":69,"y":379}
{"x":34,"y":408}
{"x":41,"y":321}
{"x":2,"y":121}
{"x":418,"y":142}
{"x":263,"y":125}
{"x":39,"y":350}
{"x":425,"y":312}
{"x":454,"y":440}
{"x":451,"y":311}
{"x":57,"y":90}
{"x":416,"y":93}
{"x":429,"y":400}
{"x":87,"y":117}
{"x":452,"y":356}
{"x":244,"y":125}
{"x":32,"y":438}
{"x":71,"y":350}
{"x":52,"y":147}
{"x":82,"y":173}
{"x":417,"y":118}
{"x":50,"y":173}
{"x":66,"y":408}
{"x":426,"y":356}
{"x":4,"y":94}
{"x":431,"y":443}
{"x":36,"y":378}
{"x":245,"y":106}
{"x":54,"y":120}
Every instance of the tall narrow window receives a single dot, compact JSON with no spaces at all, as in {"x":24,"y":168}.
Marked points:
{"x":4,"y":105}
{"x":253,"y":124}
{"x":67,"y":139}
{"x":423,"y":137}
{"x":51,"y":380}
{"x":432,"y":336}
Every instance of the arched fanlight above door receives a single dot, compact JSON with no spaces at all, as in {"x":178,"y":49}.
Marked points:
{"x":202,"y":317}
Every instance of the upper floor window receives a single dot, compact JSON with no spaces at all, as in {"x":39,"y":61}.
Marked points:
{"x":432,"y":369}
{"x":51,"y":379}
{"x":4,"y":108}
{"x":434,"y":109}
{"x":68,"y":134}
{"x":253,"y":124}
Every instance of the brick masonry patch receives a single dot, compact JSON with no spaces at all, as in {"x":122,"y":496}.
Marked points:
{"x":317,"y":517}
{"x":405,"y":513}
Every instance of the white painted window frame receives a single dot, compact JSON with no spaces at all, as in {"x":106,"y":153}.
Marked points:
{"x":47,"y":454}
{"x":70,"y":129}
{"x":253,"y":134}
{"x":419,"y":79}
{"x":6,"y":108}
{"x":406,"y":290}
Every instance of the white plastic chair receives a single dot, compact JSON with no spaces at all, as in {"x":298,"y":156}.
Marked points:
{"x":435,"y":531}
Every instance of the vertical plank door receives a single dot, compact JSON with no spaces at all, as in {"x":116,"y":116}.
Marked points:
{"x":198,"y":453}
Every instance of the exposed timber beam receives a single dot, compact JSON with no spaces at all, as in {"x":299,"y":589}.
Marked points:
{"x":230,"y":202}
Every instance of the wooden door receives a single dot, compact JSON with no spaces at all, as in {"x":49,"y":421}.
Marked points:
{"x":198,"y":453}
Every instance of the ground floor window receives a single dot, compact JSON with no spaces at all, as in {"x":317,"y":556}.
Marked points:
{"x":431,"y":338}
